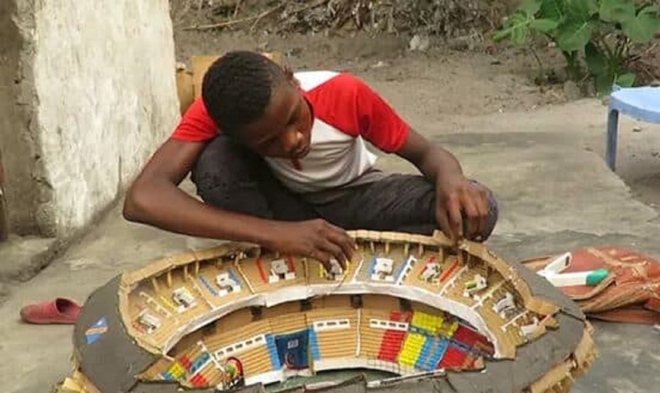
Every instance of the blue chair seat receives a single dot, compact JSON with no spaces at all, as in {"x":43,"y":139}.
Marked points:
{"x":640,"y":103}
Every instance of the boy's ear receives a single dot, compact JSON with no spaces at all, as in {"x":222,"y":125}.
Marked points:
{"x":288,"y":72}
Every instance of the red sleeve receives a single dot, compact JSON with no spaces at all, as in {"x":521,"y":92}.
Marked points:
{"x":349,"y":104}
{"x":196,"y":125}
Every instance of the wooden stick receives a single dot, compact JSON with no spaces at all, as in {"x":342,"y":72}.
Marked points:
{"x":238,"y":5}
{"x":309,"y":6}
{"x":263,"y":15}
{"x":228,"y":23}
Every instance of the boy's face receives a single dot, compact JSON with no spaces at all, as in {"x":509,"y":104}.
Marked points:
{"x":285,"y":129}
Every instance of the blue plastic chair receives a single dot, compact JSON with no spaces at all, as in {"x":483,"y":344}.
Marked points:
{"x":641,"y":103}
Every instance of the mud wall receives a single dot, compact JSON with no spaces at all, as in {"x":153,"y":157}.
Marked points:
{"x":87,"y":91}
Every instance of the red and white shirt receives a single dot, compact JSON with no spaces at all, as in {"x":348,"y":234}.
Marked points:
{"x":347,"y":113}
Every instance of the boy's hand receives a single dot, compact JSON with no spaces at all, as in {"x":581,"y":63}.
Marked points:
{"x":461,"y":206}
{"x":315,"y":239}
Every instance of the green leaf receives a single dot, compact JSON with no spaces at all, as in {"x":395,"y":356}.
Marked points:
{"x":553,"y":9}
{"x":591,"y":7}
{"x":544,"y":25}
{"x":574,"y":35}
{"x":603,"y":84}
{"x":618,"y":11}
{"x":644,"y":26}
{"x":581,"y":9}
{"x":530,"y":7}
{"x":626,"y":80}
{"x":516,"y":28}
{"x":595,"y":59}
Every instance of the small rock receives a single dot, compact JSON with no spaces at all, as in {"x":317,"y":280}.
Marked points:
{"x":572,"y":91}
{"x":293,"y":52}
{"x":463,"y":43}
{"x":420,"y":43}
{"x":637,"y":129}
{"x":263,"y":46}
{"x":380,"y":64}
{"x":82,"y":263}
{"x":655,"y":154}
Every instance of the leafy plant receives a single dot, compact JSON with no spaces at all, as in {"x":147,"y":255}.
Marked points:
{"x":596,"y":37}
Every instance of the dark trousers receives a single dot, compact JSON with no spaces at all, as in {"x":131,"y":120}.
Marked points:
{"x":230,"y":177}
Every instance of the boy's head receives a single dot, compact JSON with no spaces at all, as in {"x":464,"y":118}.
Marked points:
{"x":257,"y":102}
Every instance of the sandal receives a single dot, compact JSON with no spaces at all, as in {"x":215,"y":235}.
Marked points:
{"x":57,"y":311}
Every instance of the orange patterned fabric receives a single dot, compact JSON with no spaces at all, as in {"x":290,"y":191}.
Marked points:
{"x":630,"y":294}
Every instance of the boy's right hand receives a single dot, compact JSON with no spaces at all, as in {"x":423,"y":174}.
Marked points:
{"x":317,"y":239}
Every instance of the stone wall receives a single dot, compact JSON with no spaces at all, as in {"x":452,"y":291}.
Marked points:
{"x":87,"y":93}
{"x":17,"y":109}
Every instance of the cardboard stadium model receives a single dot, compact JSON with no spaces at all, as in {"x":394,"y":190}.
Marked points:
{"x":235,"y":317}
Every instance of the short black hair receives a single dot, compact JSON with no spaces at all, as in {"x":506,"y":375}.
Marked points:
{"x":237,"y":88}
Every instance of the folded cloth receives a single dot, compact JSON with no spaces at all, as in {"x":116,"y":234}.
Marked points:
{"x":631,"y":292}
{"x":56,"y":311}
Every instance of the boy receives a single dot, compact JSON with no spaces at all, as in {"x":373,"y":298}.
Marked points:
{"x":281,"y":161}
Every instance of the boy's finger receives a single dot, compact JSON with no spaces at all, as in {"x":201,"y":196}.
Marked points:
{"x":455,"y":220}
{"x":346,"y":242}
{"x":483,"y":215}
{"x":348,"y":247}
{"x":335,"y":252}
{"x":324,"y":258}
{"x":470,"y":218}
{"x":443,"y":221}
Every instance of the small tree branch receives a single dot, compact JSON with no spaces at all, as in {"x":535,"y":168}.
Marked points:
{"x":228,"y":23}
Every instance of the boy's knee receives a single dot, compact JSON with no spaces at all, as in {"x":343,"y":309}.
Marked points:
{"x":222,"y":165}
{"x":207,"y":170}
{"x":224,"y":178}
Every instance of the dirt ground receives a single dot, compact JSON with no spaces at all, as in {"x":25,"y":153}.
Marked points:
{"x":457,"y":76}
{"x":478,"y":77}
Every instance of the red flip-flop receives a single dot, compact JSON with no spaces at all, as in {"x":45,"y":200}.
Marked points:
{"x":56,"y":311}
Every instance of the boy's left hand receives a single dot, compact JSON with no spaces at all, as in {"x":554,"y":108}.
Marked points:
{"x":461,"y":207}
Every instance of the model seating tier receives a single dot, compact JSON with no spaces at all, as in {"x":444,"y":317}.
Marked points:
{"x":405,"y":304}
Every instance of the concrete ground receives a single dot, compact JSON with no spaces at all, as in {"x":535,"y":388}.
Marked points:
{"x":555,"y":191}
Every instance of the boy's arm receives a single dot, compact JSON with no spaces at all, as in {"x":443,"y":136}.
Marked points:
{"x":455,"y":194}
{"x":457,"y":198}
{"x":155,"y":199}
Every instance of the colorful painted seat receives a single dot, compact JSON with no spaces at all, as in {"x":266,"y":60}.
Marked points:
{"x":641,"y":103}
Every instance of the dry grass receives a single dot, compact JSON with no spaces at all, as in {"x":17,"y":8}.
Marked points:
{"x":444,"y":18}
